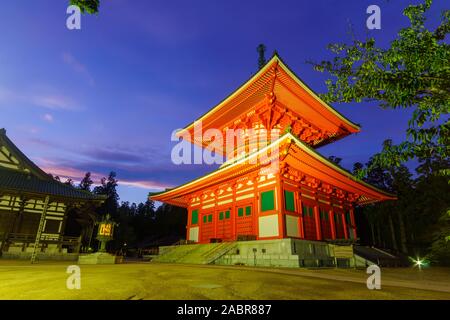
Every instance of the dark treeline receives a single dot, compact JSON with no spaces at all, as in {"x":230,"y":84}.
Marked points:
{"x":138,"y":224}
{"x":418,"y":223}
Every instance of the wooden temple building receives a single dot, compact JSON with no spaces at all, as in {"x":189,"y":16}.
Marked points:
{"x":306,"y":197}
{"x":34,"y":208}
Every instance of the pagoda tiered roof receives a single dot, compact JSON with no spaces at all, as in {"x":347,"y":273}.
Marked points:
{"x":297,"y":161}
{"x":276,"y":98}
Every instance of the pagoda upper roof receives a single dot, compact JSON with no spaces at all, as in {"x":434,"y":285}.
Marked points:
{"x":298,"y":155}
{"x":276,"y":97}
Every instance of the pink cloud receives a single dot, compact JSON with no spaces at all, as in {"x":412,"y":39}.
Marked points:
{"x":78,"y":67}
{"x":48,"y":100}
{"x":47,"y":117}
{"x":143,"y":184}
{"x":54,"y":102}
{"x":76,"y":175}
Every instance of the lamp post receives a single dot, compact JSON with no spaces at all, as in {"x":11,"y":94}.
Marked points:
{"x":105,"y":232}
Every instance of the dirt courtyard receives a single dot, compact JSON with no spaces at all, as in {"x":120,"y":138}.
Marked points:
{"x":47,"y":280}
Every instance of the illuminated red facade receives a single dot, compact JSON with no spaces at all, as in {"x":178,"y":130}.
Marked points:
{"x":303,"y":196}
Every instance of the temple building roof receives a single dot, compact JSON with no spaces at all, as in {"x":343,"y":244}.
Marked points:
{"x":25,"y":183}
{"x":275,"y":97}
{"x":298,"y":161}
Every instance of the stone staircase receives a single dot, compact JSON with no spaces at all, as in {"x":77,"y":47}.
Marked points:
{"x":368,"y":255}
{"x":195,"y":253}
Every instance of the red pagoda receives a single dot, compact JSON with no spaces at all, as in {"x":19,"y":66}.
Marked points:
{"x":306,"y":197}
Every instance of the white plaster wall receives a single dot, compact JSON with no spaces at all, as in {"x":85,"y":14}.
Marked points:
{"x":292,"y":226}
{"x":193,"y":234}
{"x":268,"y":226}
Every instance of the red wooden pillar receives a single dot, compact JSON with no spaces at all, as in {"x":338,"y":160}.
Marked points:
{"x":216,"y":212}
{"x":201,"y":229}
{"x":317,"y":219}
{"x":188,"y":226}
{"x":215,"y":215}
{"x":233,"y":213}
{"x":344,"y":223}
{"x":300,"y":211}
{"x":255,"y":206}
{"x":280,"y":209}
{"x":352,"y":219}
{"x":200,"y":226}
{"x":332,"y":224}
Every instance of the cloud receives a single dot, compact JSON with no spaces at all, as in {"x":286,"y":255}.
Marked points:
{"x":47,"y":117}
{"x":78,"y":67}
{"x":48,"y":100}
{"x":136,"y":166}
{"x":144,"y":184}
{"x":77,"y":174}
{"x":115,"y":155}
{"x":54,"y":102}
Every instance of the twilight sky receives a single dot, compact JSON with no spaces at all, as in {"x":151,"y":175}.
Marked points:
{"x":108,"y":96}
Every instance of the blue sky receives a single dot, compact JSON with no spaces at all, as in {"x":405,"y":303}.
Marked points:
{"x":108,"y":96}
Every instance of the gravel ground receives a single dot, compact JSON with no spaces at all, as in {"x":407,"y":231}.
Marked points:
{"x":20,"y":280}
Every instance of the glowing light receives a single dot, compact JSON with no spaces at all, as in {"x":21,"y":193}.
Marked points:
{"x":418,"y":262}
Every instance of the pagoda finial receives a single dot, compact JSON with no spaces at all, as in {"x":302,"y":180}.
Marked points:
{"x":261,"y":49}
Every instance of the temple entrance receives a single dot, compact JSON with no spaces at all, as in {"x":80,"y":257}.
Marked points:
{"x":339,"y":223}
{"x":224,"y":228}
{"x":309,"y":222}
{"x":325,"y":224}
{"x":244,"y":221}
{"x":207,"y":227}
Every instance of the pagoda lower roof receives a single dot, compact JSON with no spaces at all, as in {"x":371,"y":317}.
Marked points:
{"x":292,"y":152}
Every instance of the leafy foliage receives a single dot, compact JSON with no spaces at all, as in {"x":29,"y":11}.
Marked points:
{"x":86,"y":182}
{"x":137,"y":223}
{"x":89,"y":6}
{"x":414,"y":72}
{"x":108,"y":187}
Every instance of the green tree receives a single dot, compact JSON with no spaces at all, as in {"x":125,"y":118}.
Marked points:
{"x":86,"y":182}
{"x":432,"y":205}
{"x":87,"y":6}
{"x":389,"y":218}
{"x":413,"y":72}
{"x":335,"y":159}
{"x":108,"y":186}
{"x":69,"y":182}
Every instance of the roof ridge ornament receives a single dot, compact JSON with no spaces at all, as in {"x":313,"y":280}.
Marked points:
{"x":261,"y":49}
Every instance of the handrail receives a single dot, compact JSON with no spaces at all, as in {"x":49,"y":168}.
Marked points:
{"x":27,"y":237}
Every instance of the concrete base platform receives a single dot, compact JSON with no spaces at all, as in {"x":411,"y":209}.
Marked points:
{"x":293,"y":253}
{"x":98,"y":258}
{"x":279,"y":253}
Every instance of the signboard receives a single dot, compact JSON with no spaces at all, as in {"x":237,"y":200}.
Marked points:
{"x":105,"y":229}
